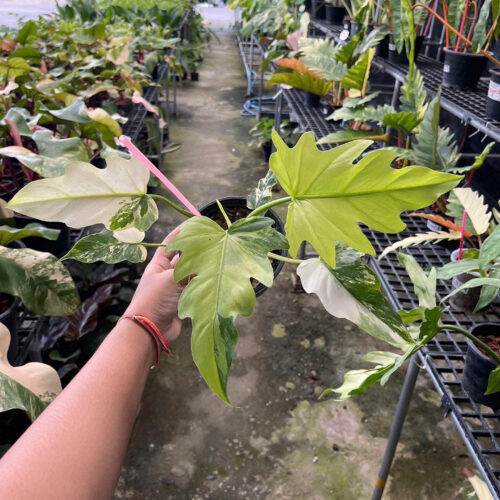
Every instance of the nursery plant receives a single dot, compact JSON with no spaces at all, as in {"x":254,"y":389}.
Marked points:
{"x":222,"y":261}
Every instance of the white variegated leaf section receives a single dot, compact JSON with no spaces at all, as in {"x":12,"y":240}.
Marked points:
{"x":84,"y":195}
{"x":39,"y":378}
{"x":316,"y":278}
{"x":475,"y":207}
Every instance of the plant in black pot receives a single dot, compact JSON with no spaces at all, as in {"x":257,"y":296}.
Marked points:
{"x":469,"y":32}
{"x":261,"y":134}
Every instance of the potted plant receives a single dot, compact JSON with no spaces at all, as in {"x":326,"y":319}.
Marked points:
{"x":466,"y":55}
{"x":214,"y":298}
{"x":261,"y":134}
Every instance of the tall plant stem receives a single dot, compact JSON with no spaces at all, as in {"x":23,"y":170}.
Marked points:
{"x":171,"y":204}
{"x":288,"y":260}
{"x":474,"y":339}
{"x":453,"y":30}
{"x":267,"y":206}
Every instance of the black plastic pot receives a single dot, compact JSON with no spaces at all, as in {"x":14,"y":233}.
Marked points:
{"x":195,"y":76}
{"x":335,"y":15}
{"x":267,"y":147}
{"x":353,"y":28}
{"x":57,"y":247}
{"x":478,"y":367}
{"x":312,"y":100}
{"x":212,"y":211}
{"x":9,"y":318}
{"x":461,"y":70}
{"x":382,"y":48}
{"x":318,"y":9}
{"x":307,"y":6}
{"x":493,"y":99}
{"x":402,"y":58}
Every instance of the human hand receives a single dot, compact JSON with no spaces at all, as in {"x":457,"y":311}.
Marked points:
{"x":157,"y":295}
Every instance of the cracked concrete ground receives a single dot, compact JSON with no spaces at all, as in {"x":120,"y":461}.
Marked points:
{"x":278,"y":441}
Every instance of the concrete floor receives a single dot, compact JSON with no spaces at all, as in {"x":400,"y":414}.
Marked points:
{"x":280,"y":442}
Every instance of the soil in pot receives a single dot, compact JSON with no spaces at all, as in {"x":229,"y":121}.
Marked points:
{"x":318,"y":9}
{"x":402,"y":58}
{"x":236,"y":208}
{"x":478,"y":365}
{"x":312,"y":100}
{"x":9,"y":306}
{"x":462,"y":70}
{"x":335,"y":15}
{"x":467,"y":299}
{"x":493,"y":99}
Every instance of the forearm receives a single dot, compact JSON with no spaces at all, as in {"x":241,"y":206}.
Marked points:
{"x":82,"y":437}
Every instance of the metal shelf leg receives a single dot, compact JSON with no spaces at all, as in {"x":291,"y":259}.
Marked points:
{"x":396,"y":427}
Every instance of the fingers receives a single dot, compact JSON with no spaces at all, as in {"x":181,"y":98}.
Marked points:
{"x":161,"y":259}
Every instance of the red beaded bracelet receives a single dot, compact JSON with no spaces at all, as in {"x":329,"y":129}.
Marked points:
{"x":146,"y":324}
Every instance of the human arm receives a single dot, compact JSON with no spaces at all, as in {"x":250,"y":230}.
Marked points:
{"x":75,"y":449}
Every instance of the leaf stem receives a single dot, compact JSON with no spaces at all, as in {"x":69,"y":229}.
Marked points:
{"x":223,"y":212}
{"x":264,"y":208}
{"x":152,"y":245}
{"x":171,"y":204}
{"x":474,"y":339}
{"x":288,"y":260}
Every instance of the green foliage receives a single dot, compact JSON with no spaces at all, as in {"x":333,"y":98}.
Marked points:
{"x":351,"y":135}
{"x":262,"y":194}
{"x":301,"y":81}
{"x":10,"y":234}
{"x":223,"y":262}
{"x":321,"y":57}
{"x":370,"y":192}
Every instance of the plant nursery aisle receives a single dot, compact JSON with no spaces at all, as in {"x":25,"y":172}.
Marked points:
{"x":278,"y":441}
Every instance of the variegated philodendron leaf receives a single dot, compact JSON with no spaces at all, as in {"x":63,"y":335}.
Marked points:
{"x":423,"y":284}
{"x":353,"y":292}
{"x":478,"y":213}
{"x":14,"y":396}
{"x":86,"y":195}
{"x":39,"y":280}
{"x":262,"y":194}
{"x":9,"y":234}
{"x":140,"y":212}
{"x":331,"y":194}
{"x":223,"y":262}
{"x":386,"y":363}
{"x":105,"y":247}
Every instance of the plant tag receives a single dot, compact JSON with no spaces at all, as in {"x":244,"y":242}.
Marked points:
{"x":446,"y":68}
{"x":344,"y":35}
{"x":433,"y":226}
{"x":494,"y":91}
{"x":392,"y":47}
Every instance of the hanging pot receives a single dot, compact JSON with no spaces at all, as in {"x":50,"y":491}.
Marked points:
{"x":312,"y":100}
{"x":335,"y":15}
{"x":318,"y":9}
{"x":493,"y":99}
{"x":478,"y":366}
{"x":462,"y":70}
{"x":402,"y":58}
{"x":236,"y":208}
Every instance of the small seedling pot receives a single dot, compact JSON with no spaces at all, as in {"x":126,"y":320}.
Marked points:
{"x":402,"y":58}
{"x":478,"y":367}
{"x":335,"y":15}
{"x":236,"y":208}
{"x":493,"y":99}
{"x":467,"y":299}
{"x":195,"y":76}
{"x":312,"y":100}
{"x":461,"y":70}
{"x":318,"y":9}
